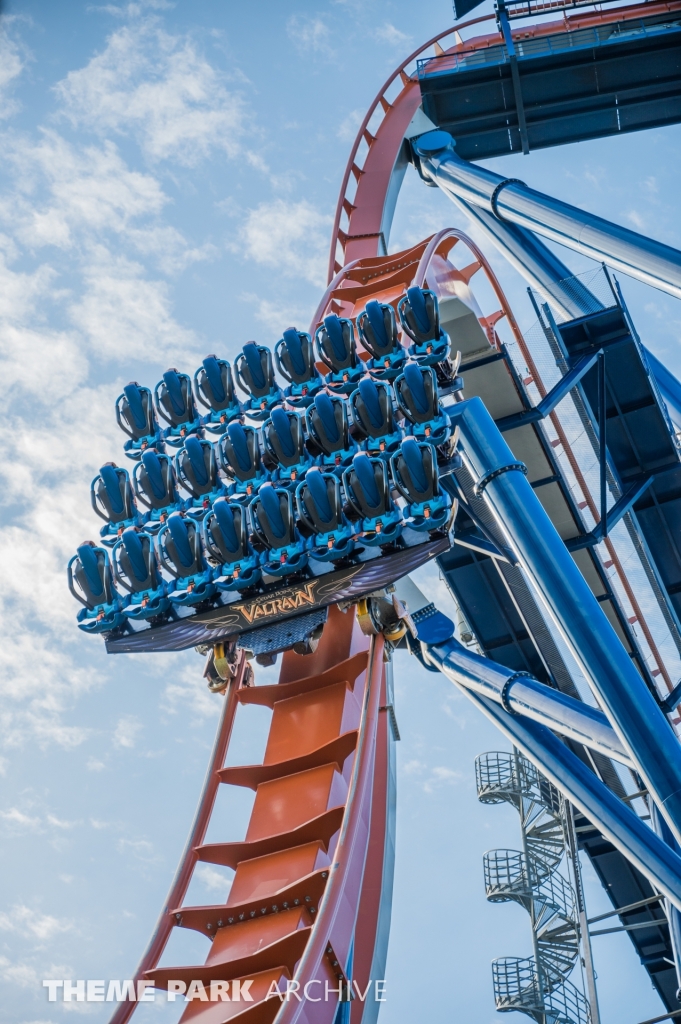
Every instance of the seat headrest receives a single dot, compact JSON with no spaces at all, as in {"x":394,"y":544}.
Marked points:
{"x":269,"y":500}
{"x":173,"y":385}
{"x":152,"y":465}
{"x":111,"y":479}
{"x":239,"y":439}
{"x":225,"y":518}
{"x":180,"y":534}
{"x":364,"y":468}
{"x":133,"y":395}
{"x":214,"y":378}
{"x":371,"y":398}
{"x":282,"y":426}
{"x":195,"y":452}
{"x":133,"y":546}
{"x":317,"y":486}
{"x":90,"y":561}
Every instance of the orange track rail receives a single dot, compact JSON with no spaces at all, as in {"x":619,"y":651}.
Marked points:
{"x":311,"y":864}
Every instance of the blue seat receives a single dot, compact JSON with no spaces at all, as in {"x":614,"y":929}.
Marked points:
{"x":214,"y":389}
{"x":91,"y":582}
{"x":367,"y":489}
{"x":135,"y":569}
{"x":136,"y":417}
{"x":225,"y":537}
{"x":372,"y":409}
{"x":254,"y":372}
{"x":239,"y":451}
{"x":294,"y":356}
{"x":320,"y":508}
{"x":155,"y":485}
{"x":181,"y":555}
{"x":417,"y":397}
{"x":337,"y":349}
{"x":274,"y":525}
{"x":113,"y":501}
{"x":419,"y":315}
{"x":174,"y":402}
{"x":329,"y":430}
{"x":414,"y":472}
{"x":197,"y":472}
{"x":377,"y":329}
{"x":285,"y":449}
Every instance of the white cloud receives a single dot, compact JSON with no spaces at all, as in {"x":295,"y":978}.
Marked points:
{"x":19,"y":821}
{"x":12,"y":64}
{"x":21,"y":974}
{"x":22,"y":919}
{"x":347,"y":129}
{"x":309,"y":34}
{"x":387,"y":33}
{"x":126,"y":731}
{"x":293,"y":237}
{"x":213,"y":880}
{"x":142,"y":849}
{"x":277,"y":316}
{"x":93,"y":765}
{"x":125,"y":316}
{"x":159,"y":89}
{"x":189,"y":691}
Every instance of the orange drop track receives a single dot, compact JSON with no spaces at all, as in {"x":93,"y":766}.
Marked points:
{"x":312,"y":890}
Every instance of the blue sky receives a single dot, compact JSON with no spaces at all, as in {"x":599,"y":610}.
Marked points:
{"x":167,"y":187}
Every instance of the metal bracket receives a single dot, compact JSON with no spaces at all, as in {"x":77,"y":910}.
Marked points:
{"x":611,"y":518}
{"x":503,"y":22}
{"x":551,"y":400}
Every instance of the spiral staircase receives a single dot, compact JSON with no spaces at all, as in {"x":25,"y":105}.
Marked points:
{"x":538,"y":985}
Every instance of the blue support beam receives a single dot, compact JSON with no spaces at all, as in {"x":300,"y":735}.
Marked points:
{"x":550,"y":569}
{"x":555,"y":395}
{"x":625,"y":830}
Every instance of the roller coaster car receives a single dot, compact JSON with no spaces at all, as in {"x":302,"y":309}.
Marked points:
{"x":285,"y":449}
{"x":417,"y":397}
{"x":174,"y":403}
{"x":419,"y":315}
{"x":255,"y":375}
{"x":294,"y":356}
{"x":320,"y":509}
{"x":90,"y":571}
{"x":368,"y":492}
{"x":337,"y":349}
{"x":225,"y":536}
{"x":329,"y":430}
{"x":414,"y":471}
{"x":214,"y":389}
{"x":239,"y":452}
{"x":197,"y":472}
{"x":135,"y":568}
{"x":274,"y":525}
{"x":136,"y":418}
{"x":377,"y":329}
{"x":112,"y":499}
{"x":155,"y":485}
{"x":372,"y":408}
{"x":181,"y":555}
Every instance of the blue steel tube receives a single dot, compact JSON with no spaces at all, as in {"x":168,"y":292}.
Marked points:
{"x":511,"y":200}
{"x":673,"y":914}
{"x":625,"y":830}
{"x":530,"y":257}
{"x":521,"y":694}
{"x":631,"y":708}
